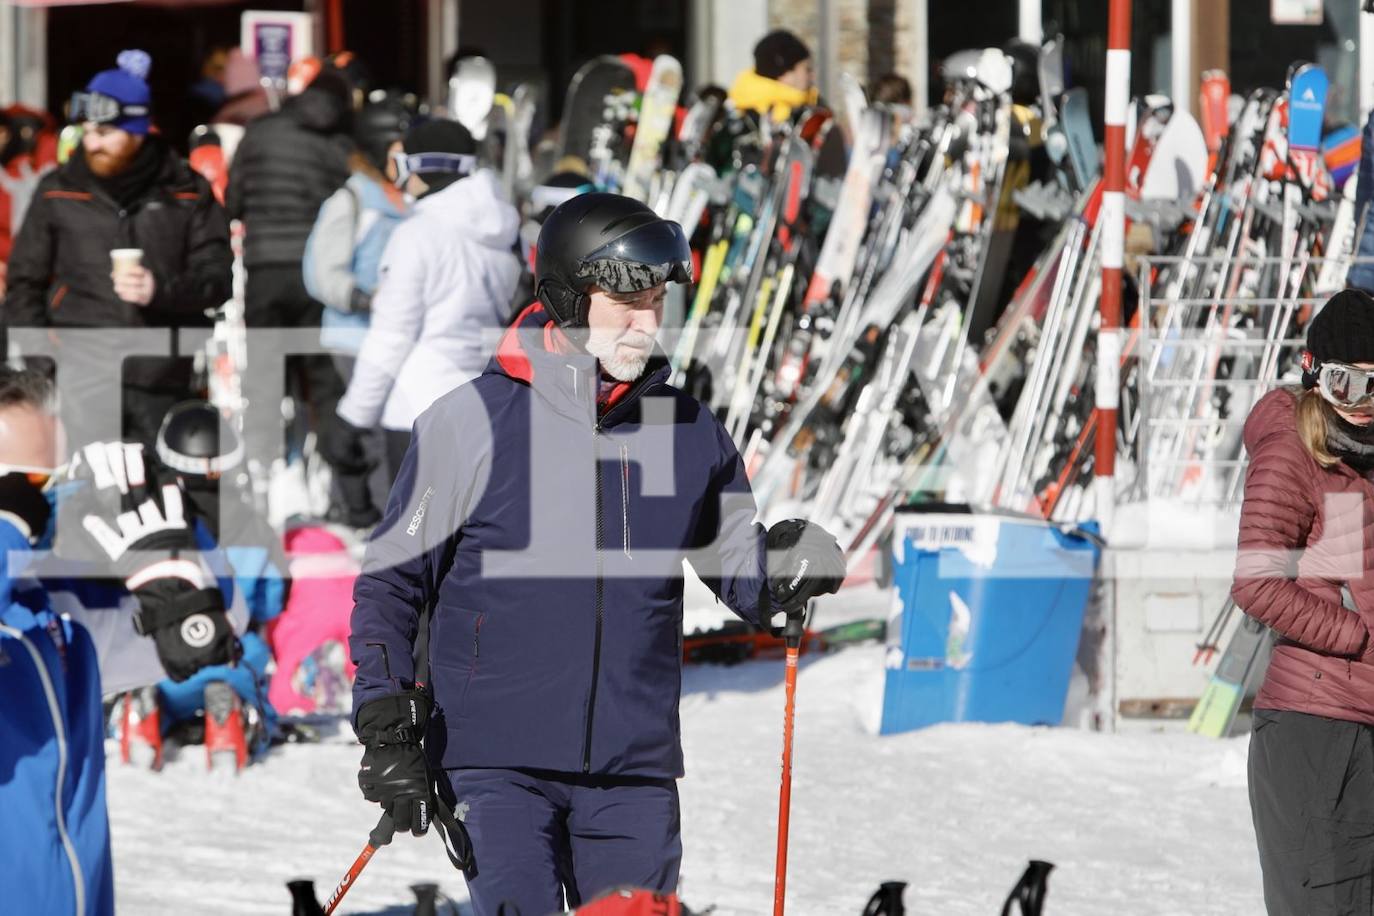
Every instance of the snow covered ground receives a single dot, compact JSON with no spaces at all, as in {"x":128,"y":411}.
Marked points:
{"x":1136,"y":823}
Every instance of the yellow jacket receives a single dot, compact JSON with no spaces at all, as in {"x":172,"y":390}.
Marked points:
{"x":752,"y":92}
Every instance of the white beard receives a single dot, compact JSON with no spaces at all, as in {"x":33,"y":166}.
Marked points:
{"x":620,"y":365}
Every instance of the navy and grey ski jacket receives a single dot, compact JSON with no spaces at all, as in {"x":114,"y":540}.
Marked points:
{"x":546,"y":529}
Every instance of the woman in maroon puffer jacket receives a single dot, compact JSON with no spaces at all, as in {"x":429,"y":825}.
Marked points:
{"x":1302,"y":570}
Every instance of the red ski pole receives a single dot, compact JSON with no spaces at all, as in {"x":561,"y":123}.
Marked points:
{"x":792,"y":636}
{"x":379,"y":837}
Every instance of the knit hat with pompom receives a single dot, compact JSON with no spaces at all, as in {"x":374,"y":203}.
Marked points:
{"x":128,"y":83}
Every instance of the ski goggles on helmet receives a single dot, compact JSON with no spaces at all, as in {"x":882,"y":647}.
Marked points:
{"x":408,"y":164}
{"x":42,"y":478}
{"x":641,"y":259}
{"x":1341,"y":384}
{"x":103,"y":109}
{"x":213,"y":467}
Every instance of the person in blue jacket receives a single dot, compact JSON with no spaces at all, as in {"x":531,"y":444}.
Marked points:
{"x":54,"y":829}
{"x":541,"y":518}
{"x":55,"y":838}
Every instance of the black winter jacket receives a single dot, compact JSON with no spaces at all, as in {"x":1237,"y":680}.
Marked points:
{"x":286,"y":166}
{"x":59,"y":269}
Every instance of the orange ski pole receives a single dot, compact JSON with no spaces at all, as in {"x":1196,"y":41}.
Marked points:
{"x":379,"y":837}
{"x":792,"y":638}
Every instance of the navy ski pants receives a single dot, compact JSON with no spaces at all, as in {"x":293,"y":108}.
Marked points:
{"x":545,"y":839}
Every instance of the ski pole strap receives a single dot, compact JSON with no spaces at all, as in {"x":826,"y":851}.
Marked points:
{"x":457,"y":843}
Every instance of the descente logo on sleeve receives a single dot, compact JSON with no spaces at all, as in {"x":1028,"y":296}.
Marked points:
{"x":419,"y":515}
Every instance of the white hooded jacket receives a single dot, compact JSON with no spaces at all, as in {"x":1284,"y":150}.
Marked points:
{"x":445,"y":283}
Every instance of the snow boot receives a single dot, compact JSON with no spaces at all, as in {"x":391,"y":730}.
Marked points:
{"x":303,"y":899}
{"x":887,"y":900}
{"x":140,"y":728}
{"x":225,"y":735}
{"x":1030,"y":892}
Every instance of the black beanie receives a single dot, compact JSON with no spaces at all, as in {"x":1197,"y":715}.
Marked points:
{"x":777,"y":52}
{"x":1343,"y":331}
{"x":439,"y":135}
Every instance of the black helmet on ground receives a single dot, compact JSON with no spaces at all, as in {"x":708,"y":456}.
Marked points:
{"x":609,"y":241}
{"x":196,"y":441}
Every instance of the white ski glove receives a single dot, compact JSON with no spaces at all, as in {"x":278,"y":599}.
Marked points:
{"x":142,"y":528}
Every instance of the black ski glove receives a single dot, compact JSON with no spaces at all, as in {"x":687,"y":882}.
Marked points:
{"x":125,"y":518}
{"x":341,"y":444}
{"x":393,"y":772}
{"x":24,"y":504}
{"x":804,"y":561}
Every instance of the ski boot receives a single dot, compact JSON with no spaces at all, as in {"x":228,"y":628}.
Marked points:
{"x":225,"y":728}
{"x":140,"y":728}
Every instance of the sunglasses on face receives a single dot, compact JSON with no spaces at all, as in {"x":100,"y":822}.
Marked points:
{"x":42,"y":478}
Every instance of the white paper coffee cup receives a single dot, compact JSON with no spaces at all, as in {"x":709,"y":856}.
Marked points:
{"x":126,"y":259}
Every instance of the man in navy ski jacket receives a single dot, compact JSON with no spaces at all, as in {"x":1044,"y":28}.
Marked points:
{"x":542,"y":515}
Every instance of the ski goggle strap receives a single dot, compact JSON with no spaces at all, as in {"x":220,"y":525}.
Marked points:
{"x":408,"y":164}
{"x":103,"y":109}
{"x":1341,"y":384}
{"x":545,"y":197}
{"x":199,"y":467}
{"x":641,"y":259}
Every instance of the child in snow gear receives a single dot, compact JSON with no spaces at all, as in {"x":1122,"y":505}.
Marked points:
{"x":205,"y":454}
{"x":1313,"y":715}
{"x":53,"y":751}
{"x":542,"y":515}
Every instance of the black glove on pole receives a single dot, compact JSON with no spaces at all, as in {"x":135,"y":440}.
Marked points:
{"x":395,"y":774}
{"x":804,"y":561}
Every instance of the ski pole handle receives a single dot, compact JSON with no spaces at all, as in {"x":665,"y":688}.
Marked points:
{"x":382,"y":834}
{"x":379,"y":837}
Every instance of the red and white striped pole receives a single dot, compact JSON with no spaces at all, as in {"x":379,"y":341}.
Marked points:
{"x":1113,"y":216}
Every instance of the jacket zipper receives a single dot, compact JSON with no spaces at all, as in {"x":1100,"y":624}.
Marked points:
{"x":59,"y":728}
{"x":600,"y":543}
{"x":596,"y":644}
{"x":625,"y":498}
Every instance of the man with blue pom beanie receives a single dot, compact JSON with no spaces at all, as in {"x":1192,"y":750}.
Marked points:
{"x":127,"y":189}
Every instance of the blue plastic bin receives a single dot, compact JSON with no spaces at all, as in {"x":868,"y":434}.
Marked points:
{"x":987,"y":613}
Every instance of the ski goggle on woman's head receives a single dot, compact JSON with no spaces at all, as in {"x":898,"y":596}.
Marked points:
{"x":408,"y":164}
{"x":1341,"y":384}
{"x":99,"y":108}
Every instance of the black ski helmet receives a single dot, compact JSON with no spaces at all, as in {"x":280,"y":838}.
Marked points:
{"x":377,"y":126}
{"x":196,"y":441}
{"x":605,"y":240}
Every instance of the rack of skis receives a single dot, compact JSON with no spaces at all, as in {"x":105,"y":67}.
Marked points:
{"x":892,"y":307}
